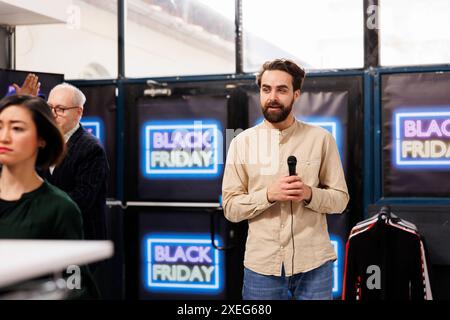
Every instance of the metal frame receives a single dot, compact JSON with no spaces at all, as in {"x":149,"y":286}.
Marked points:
{"x":374,"y":193}
{"x":121,"y":21}
{"x":214,"y":205}
{"x":368,"y":166}
{"x":371,"y":37}
{"x":238,"y":37}
{"x":371,"y":43}
{"x":10,"y":46}
{"x":372,"y":105}
{"x":372,"y":72}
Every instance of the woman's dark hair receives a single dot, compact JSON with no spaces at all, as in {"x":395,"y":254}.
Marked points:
{"x":46,"y":127}
{"x":297,"y":73}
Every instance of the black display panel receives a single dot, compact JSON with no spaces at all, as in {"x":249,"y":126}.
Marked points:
{"x":47,"y":80}
{"x":99,"y":118}
{"x":179,"y":152}
{"x":415,"y":117}
{"x":170,"y":254}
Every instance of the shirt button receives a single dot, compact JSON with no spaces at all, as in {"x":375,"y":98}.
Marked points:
{"x":281,"y":247}
{"x":282,"y":225}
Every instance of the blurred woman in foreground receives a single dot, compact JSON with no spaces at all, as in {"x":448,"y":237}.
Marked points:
{"x":30,"y":207}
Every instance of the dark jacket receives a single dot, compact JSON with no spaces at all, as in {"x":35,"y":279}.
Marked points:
{"x":397,"y":256}
{"x":83,"y":176}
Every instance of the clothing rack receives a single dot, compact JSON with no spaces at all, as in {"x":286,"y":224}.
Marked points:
{"x":384,"y":213}
{"x":395,"y":247}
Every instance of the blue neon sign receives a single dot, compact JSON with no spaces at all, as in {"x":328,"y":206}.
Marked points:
{"x":95,"y":126}
{"x":421,"y":138}
{"x":182,"y":263}
{"x":337,"y":265}
{"x":11,"y":91}
{"x":181,"y":149}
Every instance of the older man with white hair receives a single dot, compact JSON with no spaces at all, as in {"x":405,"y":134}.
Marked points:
{"x":84,"y":171}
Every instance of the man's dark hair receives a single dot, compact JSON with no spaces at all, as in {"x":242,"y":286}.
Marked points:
{"x":297,"y":73}
{"x":46,"y":127}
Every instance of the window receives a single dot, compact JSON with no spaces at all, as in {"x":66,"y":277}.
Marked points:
{"x":179,"y":37}
{"x":316,"y":34}
{"x":414,"y":32}
{"x":80,"y":41}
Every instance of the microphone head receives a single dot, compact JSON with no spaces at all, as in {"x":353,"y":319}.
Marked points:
{"x":292,"y":161}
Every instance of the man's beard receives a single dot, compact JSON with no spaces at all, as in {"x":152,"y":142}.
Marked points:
{"x":279,"y":115}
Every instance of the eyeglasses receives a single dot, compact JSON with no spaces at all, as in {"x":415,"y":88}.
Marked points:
{"x":58,"y":110}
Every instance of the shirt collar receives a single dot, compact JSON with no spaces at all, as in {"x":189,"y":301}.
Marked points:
{"x":286,"y":132}
{"x":71,"y":132}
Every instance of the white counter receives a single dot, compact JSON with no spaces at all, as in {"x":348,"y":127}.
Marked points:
{"x":26,"y":259}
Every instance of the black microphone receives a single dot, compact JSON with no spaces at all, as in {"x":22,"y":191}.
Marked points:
{"x":292,"y":163}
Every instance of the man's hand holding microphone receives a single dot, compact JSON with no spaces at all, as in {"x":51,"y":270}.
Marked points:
{"x":289,"y":188}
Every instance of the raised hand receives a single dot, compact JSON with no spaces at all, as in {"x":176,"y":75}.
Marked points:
{"x":30,"y":86}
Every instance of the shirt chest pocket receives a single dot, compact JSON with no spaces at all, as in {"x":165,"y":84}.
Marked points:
{"x":308,"y":170}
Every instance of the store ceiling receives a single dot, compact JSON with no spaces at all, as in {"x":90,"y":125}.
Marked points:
{"x":23,"y":12}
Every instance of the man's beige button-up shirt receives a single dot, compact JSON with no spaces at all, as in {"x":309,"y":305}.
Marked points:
{"x":256,"y":158}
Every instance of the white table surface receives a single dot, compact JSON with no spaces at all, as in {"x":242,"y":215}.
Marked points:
{"x":26,"y":259}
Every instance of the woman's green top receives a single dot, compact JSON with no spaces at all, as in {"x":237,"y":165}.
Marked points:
{"x":46,"y":213}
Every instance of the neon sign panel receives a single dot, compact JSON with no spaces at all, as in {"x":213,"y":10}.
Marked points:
{"x":182,"y":263}
{"x":181,"y":149}
{"x":94,"y":126}
{"x":422,"y":138}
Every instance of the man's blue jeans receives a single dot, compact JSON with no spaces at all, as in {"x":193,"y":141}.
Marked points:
{"x":316,"y":284}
